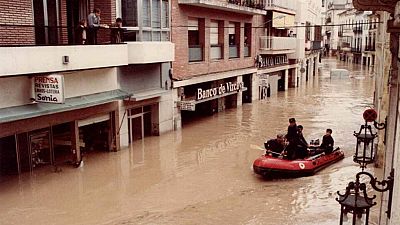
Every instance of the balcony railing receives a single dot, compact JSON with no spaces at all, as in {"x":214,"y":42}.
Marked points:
{"x":370,"y":48}
{"x":356,"y":50}
{"x":257,"y":4}
{"x":195,"y":53}
{"x":357,"y":29}
{"x":285,"y":4}
{"x":233,"y":51}
{"x":216,"y":52}
{"x":277,"y":43}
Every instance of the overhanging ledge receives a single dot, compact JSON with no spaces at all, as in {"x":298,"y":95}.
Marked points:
{"x":40,"y":109}
{"x":224,"y":5}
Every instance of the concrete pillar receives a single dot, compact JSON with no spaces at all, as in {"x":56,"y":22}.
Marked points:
{"x":286,"y":79}
{"x":74,"y":130}
{"x":239,"y":94}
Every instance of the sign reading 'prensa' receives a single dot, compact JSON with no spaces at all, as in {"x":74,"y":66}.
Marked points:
{"x":49,"y":88}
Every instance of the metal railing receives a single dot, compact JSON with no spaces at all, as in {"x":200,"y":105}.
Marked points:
{"x":369,"y":48}
{"x":32,"y":35}
{"x":257,"y":4}
{"x":195,"y":53}
{"x":277,"y":43}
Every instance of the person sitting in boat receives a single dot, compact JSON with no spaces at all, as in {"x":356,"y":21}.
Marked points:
{"x":275,"y":145}
{"x":327,"y":142}
{"x":292,"y":138}
{"x":302,"y":144}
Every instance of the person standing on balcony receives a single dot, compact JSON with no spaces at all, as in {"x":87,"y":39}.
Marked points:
{"x":116,"y":31}
{"x":81,"y":32}
{"x":93,"y":26}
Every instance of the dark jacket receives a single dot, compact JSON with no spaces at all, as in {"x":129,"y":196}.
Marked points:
{"x":274,"y":146}
{"x":292,"y":135}
{"x":327,"y":143}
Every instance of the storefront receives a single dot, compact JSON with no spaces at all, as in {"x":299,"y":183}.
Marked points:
{"x":198,"y":100}
{"x":44,"y":134}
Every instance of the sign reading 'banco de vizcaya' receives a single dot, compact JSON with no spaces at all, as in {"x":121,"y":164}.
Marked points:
{"x":222,"y":89}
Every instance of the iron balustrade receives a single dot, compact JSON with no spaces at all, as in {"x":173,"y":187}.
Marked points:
{"x":256,"y":4}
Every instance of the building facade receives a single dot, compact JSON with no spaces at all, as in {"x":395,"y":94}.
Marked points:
{"x":61,"y":99}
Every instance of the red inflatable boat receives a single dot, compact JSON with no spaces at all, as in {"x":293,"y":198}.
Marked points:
{"x":269,"y":166}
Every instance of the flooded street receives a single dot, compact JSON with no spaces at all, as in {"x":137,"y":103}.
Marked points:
{"x":203,"y":173}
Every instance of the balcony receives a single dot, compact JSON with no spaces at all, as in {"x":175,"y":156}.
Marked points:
{"x":356,"y":50}
{"x":233,"y":51}
{"x":281,"y":5}
{"x":195,"y":53}
{"x":277,"y":45}
{"x":216,"y":52}
{"x":55,"y":50}
{"x":41,"y":59}
{"x":150,"y":52}
{"x":357,"y":29}
{"x":370,"y":48}
{"x":250,"y":7}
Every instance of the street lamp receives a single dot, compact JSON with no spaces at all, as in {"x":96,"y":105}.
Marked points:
{"x":355,"y":200}
{"x":365,"y":153}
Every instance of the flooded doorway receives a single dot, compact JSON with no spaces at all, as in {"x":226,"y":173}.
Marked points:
{"x":139,"y":123}
{"x":40,"y":148}
{"x":8,"y":156}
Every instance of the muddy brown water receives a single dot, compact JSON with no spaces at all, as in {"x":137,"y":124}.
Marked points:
{"x":203,"y":174}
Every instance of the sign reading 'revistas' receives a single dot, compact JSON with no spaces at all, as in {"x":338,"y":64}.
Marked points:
{"x":222,"y":89}
{"x":49,"y":88}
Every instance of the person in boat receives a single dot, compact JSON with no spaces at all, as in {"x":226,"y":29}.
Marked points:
{"x":275,"y":145}
{"x":292,"y":138}
{"x":302,"y":144}
{"x":327,"y":142}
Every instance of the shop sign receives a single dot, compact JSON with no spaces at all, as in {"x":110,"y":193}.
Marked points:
{"x":222,"y":89}
{"x":49,"y":88}
{"x":188,"y":105}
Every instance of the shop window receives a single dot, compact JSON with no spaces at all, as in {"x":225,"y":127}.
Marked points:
{"x":8,"y":156}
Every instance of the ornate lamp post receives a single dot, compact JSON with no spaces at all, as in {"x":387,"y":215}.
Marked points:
{"x":355,"y":200}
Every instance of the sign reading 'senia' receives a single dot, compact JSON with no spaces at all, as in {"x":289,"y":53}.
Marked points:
{"x":49,"y":88}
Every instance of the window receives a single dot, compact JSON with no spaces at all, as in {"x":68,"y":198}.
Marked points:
{"x":216,"y":39}
{"x":195,"y":39}
{"x":129,"y":12}
{"x":232,"y":34}
{"x":155,"y":14}
{"x":146,"y":13}
{"x":165,"y":14}
{"x":214,"y":33}
{"x":193,"y":32}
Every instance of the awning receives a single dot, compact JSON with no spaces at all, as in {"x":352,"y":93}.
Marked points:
{"x":148,"y":94}
{"x":40,"y":109}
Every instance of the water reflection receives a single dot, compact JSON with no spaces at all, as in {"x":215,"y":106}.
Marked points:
{"x":202,"y":174}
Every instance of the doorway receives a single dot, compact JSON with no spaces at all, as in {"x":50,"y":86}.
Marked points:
{"x":46,"y":21}
{"x":8,"y":157}
{"x":246,"y":95}
{"x":40,"y":148}
{"x":77,"y":10}
{"x":139,"y":123}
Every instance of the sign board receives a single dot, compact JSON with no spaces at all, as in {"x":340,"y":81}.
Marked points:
{"x":282,"y":20}
{"x":222,"y":89}
{"x":49,"y":88}
{"x":188,"y":105}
